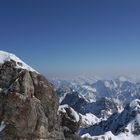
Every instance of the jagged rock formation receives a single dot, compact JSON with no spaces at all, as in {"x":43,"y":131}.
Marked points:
{"x":122,"y":89}
{"x":70,"y":122}
{"x":102,"y":108}
{"x":110,"y":109}
{"x":28,"y":104}
{"x":125,"y":125}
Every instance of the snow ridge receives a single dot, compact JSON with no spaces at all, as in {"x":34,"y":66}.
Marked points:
{"x":5,"y":56}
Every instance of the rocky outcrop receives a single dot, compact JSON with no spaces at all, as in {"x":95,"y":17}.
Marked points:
{"x":70,"y":122}
{"x":28,"y":105}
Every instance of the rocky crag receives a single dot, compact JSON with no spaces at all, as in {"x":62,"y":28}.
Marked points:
{"x":28,"y":103}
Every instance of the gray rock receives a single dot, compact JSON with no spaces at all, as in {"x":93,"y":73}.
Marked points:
{"x":70,"y":123}
{"x":28,"y":105}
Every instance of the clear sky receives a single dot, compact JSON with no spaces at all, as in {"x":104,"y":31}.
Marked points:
{"x":99,"y":36}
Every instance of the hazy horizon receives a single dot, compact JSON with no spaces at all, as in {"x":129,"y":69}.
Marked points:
{"x":73,"y":37}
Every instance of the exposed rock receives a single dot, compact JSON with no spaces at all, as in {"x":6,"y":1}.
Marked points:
{"x":70,"y":122}
{"x":28,"y":105}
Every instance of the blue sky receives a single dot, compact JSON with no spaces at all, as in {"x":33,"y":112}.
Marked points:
{"x":99,"y":36}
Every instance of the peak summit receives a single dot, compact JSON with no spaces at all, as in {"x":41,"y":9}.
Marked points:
{"x":6,"y":56}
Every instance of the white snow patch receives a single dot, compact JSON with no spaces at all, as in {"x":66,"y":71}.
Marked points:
{"x":2,"y":126}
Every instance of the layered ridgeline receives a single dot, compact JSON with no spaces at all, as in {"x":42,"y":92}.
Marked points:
{"x":122,"y":89}
{"x":29,"y":105}
{"x":109,"y":109}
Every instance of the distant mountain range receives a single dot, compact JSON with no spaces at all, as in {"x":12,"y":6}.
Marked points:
{"x":122,"y":89}
{"x":109,"y":108}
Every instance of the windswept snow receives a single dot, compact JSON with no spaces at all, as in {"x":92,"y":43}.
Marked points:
{"x":5,"y":56}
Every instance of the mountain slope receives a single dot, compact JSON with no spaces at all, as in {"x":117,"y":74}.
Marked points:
{"x":124,"y":126}
{"x":28,"y":102}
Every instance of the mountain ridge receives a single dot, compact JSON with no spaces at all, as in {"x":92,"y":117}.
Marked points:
{"x":28,"y":103}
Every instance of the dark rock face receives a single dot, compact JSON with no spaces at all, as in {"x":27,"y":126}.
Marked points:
{"x":28,"y":105}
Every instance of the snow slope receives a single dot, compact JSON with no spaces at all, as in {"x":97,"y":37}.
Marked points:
{"x":5,"y":56}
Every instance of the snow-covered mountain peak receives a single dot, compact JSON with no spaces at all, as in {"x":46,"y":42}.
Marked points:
{"x":5,"y":56}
